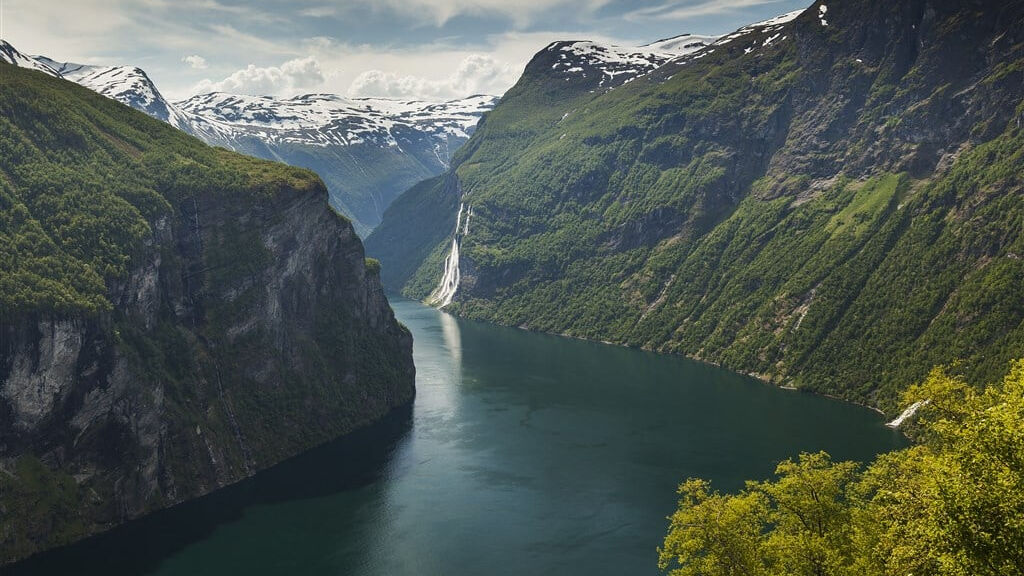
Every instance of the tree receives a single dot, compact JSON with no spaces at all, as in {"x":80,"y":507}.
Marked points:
{"x":952,"y":505}
{"x":796,"y":525}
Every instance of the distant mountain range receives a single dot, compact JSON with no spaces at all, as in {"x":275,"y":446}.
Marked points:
{"x":367,"y":150}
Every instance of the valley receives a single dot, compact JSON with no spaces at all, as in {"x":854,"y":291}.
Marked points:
{"x":487,"y":288}
{"x":554,"y":455}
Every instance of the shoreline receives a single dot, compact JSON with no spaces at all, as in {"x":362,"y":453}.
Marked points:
{"x":759,"y":378}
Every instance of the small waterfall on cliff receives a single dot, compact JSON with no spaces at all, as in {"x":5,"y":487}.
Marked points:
{"x":445,"y":291}
{"x":908,"y":413}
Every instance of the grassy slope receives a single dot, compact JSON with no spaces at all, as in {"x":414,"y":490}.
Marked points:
{"x":779,"y":213}
{"x":81,"y":181}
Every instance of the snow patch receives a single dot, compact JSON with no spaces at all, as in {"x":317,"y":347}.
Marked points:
{"x":618,"y":65}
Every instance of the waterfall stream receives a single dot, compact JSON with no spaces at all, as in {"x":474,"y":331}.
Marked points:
{"x":908,"y":413}
{"x":449,"y":285}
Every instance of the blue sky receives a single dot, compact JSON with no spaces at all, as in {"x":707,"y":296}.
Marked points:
{"x":426,"y":49}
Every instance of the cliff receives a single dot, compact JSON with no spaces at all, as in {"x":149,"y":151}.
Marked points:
{"x":173,"y":317}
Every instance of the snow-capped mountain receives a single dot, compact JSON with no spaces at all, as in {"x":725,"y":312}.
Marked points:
{"x":11,"y":55}
{"x":366,"y":150}
{"x":614,"y":66}
{"x":617,"y":65}
{"x":126,"y":84}
{"x":328,"y":119}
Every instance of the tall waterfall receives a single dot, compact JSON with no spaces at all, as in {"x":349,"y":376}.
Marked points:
{"x":449,"y":285}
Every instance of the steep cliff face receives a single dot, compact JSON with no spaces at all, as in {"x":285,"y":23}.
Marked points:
{"x":235,"y":323}
{"x":829,"y":200}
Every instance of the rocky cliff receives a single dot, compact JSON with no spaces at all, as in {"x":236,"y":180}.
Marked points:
{"x":174,"y":317}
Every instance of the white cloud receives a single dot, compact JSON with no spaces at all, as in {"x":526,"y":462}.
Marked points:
{"x":476,"y":74}
{"x":687,"y":10}
{"x":292,"y":76}
{"x":441,"y":11}
{"x":319,"y":11}
{"x":195,"y":61}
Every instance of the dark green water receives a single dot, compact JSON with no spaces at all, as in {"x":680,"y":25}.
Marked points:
{"x":524,"y":454}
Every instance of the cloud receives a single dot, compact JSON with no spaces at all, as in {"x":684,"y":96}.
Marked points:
{"x":522,"y":12}
{"x":476,"y":74}
{"x":195,"y":61}
{"x":687,"y":10}
{"x":292,"y":76}
{"x":319,"y":11}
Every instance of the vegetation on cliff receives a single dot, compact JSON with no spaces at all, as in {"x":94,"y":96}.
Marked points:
{"x":82,"y":181}
{"x":173,"y":317}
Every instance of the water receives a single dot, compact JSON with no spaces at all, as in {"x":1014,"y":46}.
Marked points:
{"x":524,"y":454}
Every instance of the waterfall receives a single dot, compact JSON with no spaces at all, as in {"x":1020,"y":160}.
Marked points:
{"x":908,"y":413}
{"x":445,"y":291}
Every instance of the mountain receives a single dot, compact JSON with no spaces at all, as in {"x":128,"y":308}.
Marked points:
{"x":10,"y":55}
{"x":367,"y":150}
{"x":830,"y":200}
{"x":173,"y":317}
{"x":613,"y":65}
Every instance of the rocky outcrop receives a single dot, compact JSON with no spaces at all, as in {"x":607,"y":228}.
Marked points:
{"x":247,"y":328}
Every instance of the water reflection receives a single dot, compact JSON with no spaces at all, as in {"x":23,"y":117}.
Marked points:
{"x":349,"y":464}
{"x":452,"y":340}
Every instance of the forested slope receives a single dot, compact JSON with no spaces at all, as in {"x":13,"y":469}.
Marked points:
{"x":834,"y":202}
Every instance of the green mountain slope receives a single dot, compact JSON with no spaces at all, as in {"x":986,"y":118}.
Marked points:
{"x":835,"y":203}
{"x":173,"y":317}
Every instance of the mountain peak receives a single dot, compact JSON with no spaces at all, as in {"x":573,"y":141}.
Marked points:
{"x":606,"y":66}
{"x":11,"y":55}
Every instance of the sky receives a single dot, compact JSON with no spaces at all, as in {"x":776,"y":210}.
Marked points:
{"x":408,"y":49}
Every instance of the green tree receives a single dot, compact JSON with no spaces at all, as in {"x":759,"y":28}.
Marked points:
{"x":952,"y":505}
{"x":798,"y":524}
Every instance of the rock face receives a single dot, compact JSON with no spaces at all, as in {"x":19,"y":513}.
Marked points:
{"x":246,"y":327}
{"x":828,"y":200}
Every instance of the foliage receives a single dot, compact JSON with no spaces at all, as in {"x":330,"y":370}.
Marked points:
{"x":951,"y":505}
{"x":83,"y":183}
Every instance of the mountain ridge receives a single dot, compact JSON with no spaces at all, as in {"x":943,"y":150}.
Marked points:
{"x":756,"y":203}
{"x":367,"y":149}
